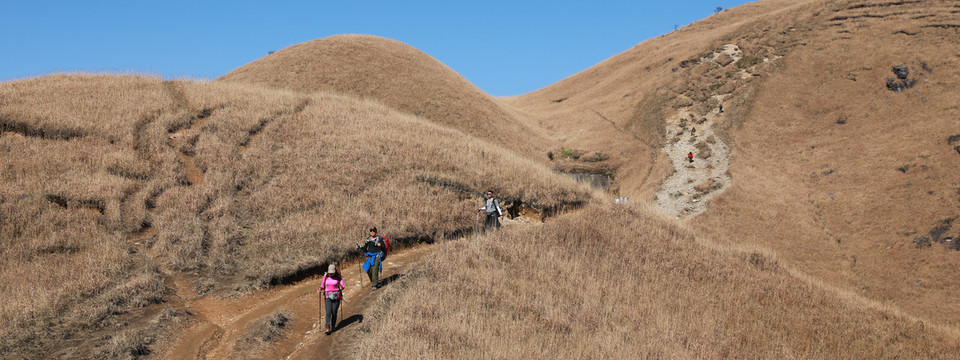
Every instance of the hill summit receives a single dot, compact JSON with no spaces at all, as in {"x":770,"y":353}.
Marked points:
{"x":394,"y":73}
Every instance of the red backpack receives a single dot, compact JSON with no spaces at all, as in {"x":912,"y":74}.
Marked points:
{"x":386,"y":246}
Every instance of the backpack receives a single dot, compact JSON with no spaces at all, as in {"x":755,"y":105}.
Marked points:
{"x":386,"y":246}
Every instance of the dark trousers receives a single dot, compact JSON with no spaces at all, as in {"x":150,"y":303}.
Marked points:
{"x":491,"y":221}
{"x":374,"y":272}
{"x":332,"y":306}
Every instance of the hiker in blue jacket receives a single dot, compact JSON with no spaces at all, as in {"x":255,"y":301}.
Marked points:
{"x":374,"y":247}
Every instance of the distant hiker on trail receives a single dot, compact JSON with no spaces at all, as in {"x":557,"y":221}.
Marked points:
{"x":374,"y":248}
{"x":331,"y":290}
{"x":690,"y":156}
{"x":494,"y":212}
{"x":721,"y":109}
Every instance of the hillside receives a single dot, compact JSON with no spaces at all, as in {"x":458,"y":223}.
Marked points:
{"x":130,"y":195}
{"x":858,"y":183}
{"x":814,"y":156}
{"x":817,"y":217}
{"x":400,"y":77}
{"x":613,"y":283}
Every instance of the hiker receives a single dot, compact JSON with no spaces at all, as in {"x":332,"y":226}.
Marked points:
{"x":374,"y":247}
{"x":721,"y":109}
{"x":494,"y":212}
{"x":690,"y":156}
{"x":331,"y":289}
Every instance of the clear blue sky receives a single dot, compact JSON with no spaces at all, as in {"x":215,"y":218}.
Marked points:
{"x":504,"y":47}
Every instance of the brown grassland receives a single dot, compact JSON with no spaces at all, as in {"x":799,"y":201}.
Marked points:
{"x":401,"y":77}
{"x":123,"y":197}
{"x":616,"y":283}
{"x":230,"y":186}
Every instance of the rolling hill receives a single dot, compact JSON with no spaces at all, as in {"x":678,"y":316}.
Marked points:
{"x":399,"y":76}
{"x":816,"y":216}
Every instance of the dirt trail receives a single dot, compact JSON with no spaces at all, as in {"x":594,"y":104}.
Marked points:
{"x":223,"y":322}
{"x":219,"y":324}
{"x":689,"y":189}
{"x":693,"y":184}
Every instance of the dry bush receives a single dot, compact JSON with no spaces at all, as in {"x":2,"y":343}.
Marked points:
{"x":263,"y":331}
{"x":707,"y":186}
{"x":128,"y":345}
{"x":614,"y":283}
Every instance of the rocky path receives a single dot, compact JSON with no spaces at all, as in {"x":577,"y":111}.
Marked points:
{"x":693,"y":183}
{"x":689,"y":189}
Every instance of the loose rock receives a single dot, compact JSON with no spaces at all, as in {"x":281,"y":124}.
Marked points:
{"x":895,"y":86}
{"x":901,"y":71}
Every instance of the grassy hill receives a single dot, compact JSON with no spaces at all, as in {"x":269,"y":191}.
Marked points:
{"x":126,"y":191}
{"x":399,"y":76}
{"x":614,"y":283}
{"x":836,"y":171}
{"x":839,"y":174}
{"x":828,"y":167}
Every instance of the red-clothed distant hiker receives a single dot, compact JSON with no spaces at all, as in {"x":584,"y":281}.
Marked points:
{"x":690,"y":156}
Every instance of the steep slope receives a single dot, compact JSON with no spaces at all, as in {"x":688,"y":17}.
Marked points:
{"x":396,"y":74}
{"x":815,"y":156}
{"x":623,"y":105}
{"x":854,"y":182}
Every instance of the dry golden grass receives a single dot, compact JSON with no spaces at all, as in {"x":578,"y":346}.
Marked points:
{"x":114,"y":185}
{"x":616,"y":283}
{"x":400,"y":76}
{"x":263,"y":331}
{"x":854,"y":228}
{"x":137,"y":180}
{"x":826,"y":60}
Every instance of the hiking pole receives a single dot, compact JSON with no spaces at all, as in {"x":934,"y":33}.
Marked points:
{"x":320,"y":309}
{"x":360,"y":269}
{"x":476,"y":224}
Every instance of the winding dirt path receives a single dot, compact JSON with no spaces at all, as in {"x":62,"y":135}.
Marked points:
{"x":223,"y":322}
{"x":219,"y":324}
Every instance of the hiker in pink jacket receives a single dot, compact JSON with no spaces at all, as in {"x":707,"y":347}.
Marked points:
{"x":332,"y":292}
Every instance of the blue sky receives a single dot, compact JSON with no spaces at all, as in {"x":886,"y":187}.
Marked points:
{"x":504,"y":47}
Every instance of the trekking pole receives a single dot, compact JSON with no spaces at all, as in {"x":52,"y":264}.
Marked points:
{"x":360,"y":269}
{"x":320,"y":309}
{"x":476,"y":224}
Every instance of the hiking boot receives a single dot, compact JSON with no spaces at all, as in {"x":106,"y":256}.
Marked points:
{"x":327,"y":331}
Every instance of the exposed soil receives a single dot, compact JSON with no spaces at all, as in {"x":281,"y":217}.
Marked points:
{"x":694,"y":183}
{"x":221,"y":323}
{"x":178,"y":141}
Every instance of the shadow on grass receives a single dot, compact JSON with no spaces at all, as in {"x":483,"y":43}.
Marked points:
{"x":387,"y":280}
{"x":348,"y":321}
